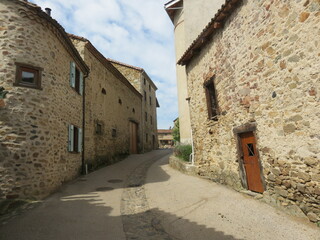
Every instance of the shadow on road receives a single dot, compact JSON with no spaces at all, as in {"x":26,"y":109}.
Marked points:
{"x":87,"y":217}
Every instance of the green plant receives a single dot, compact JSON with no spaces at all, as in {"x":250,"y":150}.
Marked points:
{"x":176,"y":132}
{"x":183,"y":152}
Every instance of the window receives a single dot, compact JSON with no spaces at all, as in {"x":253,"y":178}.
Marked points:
{"x":144,"y":81}
{"x":149,"y":88}
{"x":76,"y":78}
{"x":212,"y":102}
{"x":150,"y":101}
{"x":99,"y":128}
{"x":145,"y":96}
{"x":146,"y":137}
{"x":146,"y":116}
{"x":28,"y":76}
{"x":74,"y":139}
{"x":103,"y":91}
{"x":114,"y":132}
{"x":120,"y":101}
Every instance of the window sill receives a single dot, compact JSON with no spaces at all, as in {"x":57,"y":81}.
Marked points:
{"x":27,"y":86}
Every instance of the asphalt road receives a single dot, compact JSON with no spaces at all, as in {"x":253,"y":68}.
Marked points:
{"x":143,"y":198}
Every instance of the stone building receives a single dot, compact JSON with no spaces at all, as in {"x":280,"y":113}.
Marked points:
{"x":189,"y":17}
{"x":112,"y":109}
{"x":143,"y":84}
{"x":41,"y":116}
{"x":254,"y":83}
{"x":165,"y":138}
{"x":56,"y":119}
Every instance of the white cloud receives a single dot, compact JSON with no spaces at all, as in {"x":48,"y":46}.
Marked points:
{"x":136,"y":32}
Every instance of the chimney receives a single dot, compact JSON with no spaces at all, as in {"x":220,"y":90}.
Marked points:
{"x":48,"y":11}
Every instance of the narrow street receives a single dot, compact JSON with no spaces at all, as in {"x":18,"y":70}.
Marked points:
{"x":143,"y":198}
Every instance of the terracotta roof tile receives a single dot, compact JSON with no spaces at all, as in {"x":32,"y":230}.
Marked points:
{"x":216,"y":23}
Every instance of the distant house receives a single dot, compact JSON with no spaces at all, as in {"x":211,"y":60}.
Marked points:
{"x":253,"y":82}
{"x":165,"y":138}
{"x":143,"y":84}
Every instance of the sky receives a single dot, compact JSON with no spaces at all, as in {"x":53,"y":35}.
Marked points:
{"x":135,"y":32}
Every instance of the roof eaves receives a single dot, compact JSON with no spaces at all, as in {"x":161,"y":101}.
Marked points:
{"x":70,"y":47}
{"x":170,"y":8}
{"x":216,"y":23}
{"x":109,"y":66}
{"x":125,"y":65}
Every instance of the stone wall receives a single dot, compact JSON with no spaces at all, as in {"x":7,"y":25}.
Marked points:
{"x":34,"y":159}
{"x":265,"y":64}
{"x":141,"y":81}
{"x":110,"y":103}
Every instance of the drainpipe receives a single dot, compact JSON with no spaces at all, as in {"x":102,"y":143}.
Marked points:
{"x":191,"y":157}
{"x":84,"y":166}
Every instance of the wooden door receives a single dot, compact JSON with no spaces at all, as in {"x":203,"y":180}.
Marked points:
{"x":251,"y":162}
{"x":133,"y":137}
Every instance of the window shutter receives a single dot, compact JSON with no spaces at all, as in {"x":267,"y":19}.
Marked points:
{"x":70,"y":138}
{"x":79,"y":140}
{"x":72,"y":74}
{"x":81,"y":84}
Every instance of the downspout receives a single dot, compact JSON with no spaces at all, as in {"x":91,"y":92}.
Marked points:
{"x":84,"y":166}
{"x":191,"y":157}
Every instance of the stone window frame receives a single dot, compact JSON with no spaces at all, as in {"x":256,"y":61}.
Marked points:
{"x":99,"y":128}
{"x":37,"y":71}
{"x":211,"y":99}
{"x":113,"y":132}
{"x":74,"y":139}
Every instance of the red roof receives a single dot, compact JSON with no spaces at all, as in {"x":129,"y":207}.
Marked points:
{"x":205,"y":36}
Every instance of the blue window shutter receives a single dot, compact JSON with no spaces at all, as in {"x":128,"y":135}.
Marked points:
{"x":72,"y":74}
{"x":81,"y":84}
{"x":70,"y":138}
{"x":79,"y":139}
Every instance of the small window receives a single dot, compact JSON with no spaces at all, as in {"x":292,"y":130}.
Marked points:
{"x":114,"y":132}
{"x":144,"y":81}
{"x":149,"y":88}
{"x":250,"y":149}
{"x":28,"y":76}
{"x":76,"y":78}
{"x":74,"y":139}
{"x":99,"y":128}
{"x":145,"y":96}
{"x":212,"y":102}
{"x":103,"y":91}
{"x":133,"y":110}
{"x":150,"y":101}
{"x":146,"y":116}
{"x":120,"y":101}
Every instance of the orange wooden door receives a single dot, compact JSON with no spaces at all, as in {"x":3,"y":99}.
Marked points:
{"x":251,"y":162}
{"x":133,"y":138}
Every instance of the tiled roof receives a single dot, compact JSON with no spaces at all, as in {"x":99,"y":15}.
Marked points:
{"x":62,"y":33}
{"x":105,"y":61}
{"x":164,"y":130}
{"x":133,"y":67}
{"x":126,"y":65}
{"x":212,"y":27}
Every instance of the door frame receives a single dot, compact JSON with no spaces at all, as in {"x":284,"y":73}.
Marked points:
{"x":245,"y":128}
{"x":132,"y":122}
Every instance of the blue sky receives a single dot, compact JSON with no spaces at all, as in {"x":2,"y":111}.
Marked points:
{"x":136,"y":32}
